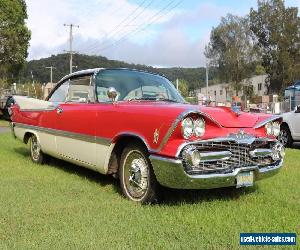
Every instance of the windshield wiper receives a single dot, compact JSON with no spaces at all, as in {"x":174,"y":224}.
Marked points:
{"x":166,"y":100}
{"x":152,"y":99}
{"x":142,"y":99}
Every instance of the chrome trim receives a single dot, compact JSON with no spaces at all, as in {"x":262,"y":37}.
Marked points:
{"x":215,"y":156}
{"x":170,"y":173}
{"x":261,"y":152}
{"x":223,"y":139}
{"x":179,"y":119}
{"x":127,"y":133}
{"x":72,"y":135}
{"x":264,"y":122}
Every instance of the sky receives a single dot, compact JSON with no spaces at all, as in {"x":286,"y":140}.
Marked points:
{"x":169,"y":33}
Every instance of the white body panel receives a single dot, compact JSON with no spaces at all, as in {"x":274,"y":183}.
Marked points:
{"x":293,"y":121}
{"x":26,"y":103}
{"x":91,"y":155}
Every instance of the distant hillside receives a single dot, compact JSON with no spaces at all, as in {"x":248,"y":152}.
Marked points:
{"x":195,"y":77}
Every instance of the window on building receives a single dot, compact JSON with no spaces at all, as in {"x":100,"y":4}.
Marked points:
{"x":215,"y":92}
{"x":259,"y":87}
{"x":221,"y":91}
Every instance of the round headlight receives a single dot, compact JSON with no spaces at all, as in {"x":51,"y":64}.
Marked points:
{"x":269,"y":128}
{"x":187,"y":127}
{"x":276,"y":128}
{"x":199,"y":127}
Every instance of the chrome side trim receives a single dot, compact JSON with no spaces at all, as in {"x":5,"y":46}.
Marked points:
{"x":72,"y":135}
{"x":272,"y":118}
{"x":215,"y":156}
{"x":176,"y":122}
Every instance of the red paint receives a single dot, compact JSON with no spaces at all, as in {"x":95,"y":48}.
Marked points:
{"x":141,"y":118}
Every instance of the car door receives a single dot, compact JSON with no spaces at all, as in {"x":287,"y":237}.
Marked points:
{"x":76,"y":123}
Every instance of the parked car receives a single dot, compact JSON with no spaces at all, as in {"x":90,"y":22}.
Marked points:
{"x":4,"y":96}
{"x":135,"y":126}
{"x":5,"y":111}
{"x":290,"y":129}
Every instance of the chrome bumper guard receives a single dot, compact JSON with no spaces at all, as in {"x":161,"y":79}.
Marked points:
{"x":170,"y":173}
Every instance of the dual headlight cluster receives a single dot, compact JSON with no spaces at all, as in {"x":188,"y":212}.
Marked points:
{"x":190,"y":127}
{"x":273,"y":128}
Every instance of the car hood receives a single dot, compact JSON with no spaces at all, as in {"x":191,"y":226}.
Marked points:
{"x":221,"y":115}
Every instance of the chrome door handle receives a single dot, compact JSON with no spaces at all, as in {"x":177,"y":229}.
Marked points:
{"x":59,"y":110}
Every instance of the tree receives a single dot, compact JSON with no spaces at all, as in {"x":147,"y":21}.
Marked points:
{"x":276,"y":34}
{"x":183,"y":87}
{"x":14,"y":36}
{"x":231,"y":49}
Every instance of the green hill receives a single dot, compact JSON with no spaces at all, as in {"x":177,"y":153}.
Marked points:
{"x":195,"y":77}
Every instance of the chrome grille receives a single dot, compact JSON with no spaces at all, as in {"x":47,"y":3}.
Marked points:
{"x":240,"y":157}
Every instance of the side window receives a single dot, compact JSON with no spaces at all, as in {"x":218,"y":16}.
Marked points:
{"x":81,"y":90}
{"x":60,"y":93}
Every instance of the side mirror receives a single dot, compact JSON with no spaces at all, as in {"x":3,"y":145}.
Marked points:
{"x":112,"y":93}
{"x":297,"y":109}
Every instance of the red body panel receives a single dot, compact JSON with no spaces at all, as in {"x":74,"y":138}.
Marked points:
{"x":110,"y":121}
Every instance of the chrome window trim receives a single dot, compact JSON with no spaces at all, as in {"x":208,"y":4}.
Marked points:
{"x":77,"y":136}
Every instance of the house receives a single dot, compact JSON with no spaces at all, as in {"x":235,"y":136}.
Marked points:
{"x":223,"y":92}
{"x":48,"y":88}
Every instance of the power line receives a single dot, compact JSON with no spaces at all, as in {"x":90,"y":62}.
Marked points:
{"x":71,"y":52}
{"x":150,"y":21}
{"x":114,"y":31}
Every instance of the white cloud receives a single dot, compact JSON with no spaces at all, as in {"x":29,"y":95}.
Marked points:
{"x":166,"y":42}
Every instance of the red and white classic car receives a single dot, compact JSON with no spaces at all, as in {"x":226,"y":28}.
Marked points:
{"x":136,"y":126}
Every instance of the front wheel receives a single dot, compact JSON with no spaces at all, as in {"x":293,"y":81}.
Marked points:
{"x":37,"y":156}
{"x":137,"y":180}
{"x":285,"y":136}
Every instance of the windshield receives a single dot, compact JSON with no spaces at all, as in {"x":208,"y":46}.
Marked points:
{"x":134,"y":85}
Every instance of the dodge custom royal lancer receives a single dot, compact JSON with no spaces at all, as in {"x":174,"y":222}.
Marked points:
{"x":135,"y":126}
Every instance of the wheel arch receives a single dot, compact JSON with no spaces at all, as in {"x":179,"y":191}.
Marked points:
{"x":27,"y":136}
{"x":120,"y":142}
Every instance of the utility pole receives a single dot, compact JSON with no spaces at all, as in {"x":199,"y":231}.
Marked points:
{"x":71,"y":52}
{"x":207,"y":80}
{"x":51,"y":72}
{"x":177,"y":83}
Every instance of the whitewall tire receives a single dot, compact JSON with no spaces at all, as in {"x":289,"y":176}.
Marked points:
{"x":37,"y":156}
{"x":137,"y":180}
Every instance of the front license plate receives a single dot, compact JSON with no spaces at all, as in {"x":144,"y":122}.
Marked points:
{"x":245,"y":179}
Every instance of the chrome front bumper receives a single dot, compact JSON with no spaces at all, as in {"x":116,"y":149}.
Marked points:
{"x":170,"y":173}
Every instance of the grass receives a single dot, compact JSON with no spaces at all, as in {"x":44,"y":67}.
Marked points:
{"x":62,"y":206}
{"x":4,"y":123}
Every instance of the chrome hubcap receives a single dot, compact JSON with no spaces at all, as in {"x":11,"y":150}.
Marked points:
{"x":35,"y":148}
{"x":283,"y":137}
{"x":136,"y":174}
